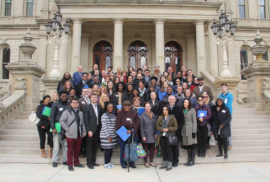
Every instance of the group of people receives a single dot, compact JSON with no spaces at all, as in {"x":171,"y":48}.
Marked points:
{"x":91,"y":107}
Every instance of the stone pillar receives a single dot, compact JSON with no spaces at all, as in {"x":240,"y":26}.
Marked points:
{"x":26,"y":74}
{"x":76,"y":44}
{"x":118,"y":43}
{"x":85,"y":52}
{"x":190,"y":52}
{"x":160,"y":43}
{"x":153,"y":52}
{"x":212,"y":52}
{"x":200,"y":43}
{"x":63,"y":54}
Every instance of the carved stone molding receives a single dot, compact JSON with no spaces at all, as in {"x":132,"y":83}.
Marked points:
{"x":172,"y":36}
{"x":102,"y":35}
{"x":20,"y":83}
{"x":137,"y":36}
{"x":266,"y":83}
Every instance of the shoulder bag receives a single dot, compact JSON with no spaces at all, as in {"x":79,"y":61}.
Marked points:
{"x":63,"y":132}
{"x":33,"y":118}
{"x":172,"y":138}
{"x":131,"y":151}
{"x":140,"y":151}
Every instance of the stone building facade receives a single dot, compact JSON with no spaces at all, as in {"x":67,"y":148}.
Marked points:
{"x":135,"y":32}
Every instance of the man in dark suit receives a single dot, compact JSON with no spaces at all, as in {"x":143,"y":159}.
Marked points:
{"x":170,"y":71}
{"x":92,"y":120}
{"x":77,"y":76}
{"x":84,"y":83}
{"x":95,"y":67}
{"x":147,"y":78}
{"x":198,"y":91}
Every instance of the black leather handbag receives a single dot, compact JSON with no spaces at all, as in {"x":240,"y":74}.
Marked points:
{"x":173,"y":140}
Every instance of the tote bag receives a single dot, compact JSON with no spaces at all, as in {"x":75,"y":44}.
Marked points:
{"x":131,"y":151}
{"x":140,"y":151}
{"x":33,"y":118}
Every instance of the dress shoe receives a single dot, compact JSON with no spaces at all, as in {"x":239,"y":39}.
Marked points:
{"x":65,"y":163}
{"x":133,"y":166}
{"x":82,"y":156}
{"x":203,"y":153}
{"x":95,"y":164}
{"x":54,"y":164}
{"x":175,"y":164}
{"x":79,"y":165}
{"x":226,"y":156}
{"x":90,"y":167}
{"x":70,"y":168}
{"x":124,"y":167}
{"x":219,"y":155}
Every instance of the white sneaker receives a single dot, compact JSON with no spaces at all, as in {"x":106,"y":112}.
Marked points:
{"x":108,"y":166}
{"x":112,"y":165}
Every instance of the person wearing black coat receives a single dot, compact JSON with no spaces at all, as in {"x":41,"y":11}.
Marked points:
{"x":135,"y":93}
{"x":61,"y":83}
{"x":119,"y":96}
{"x":43,"y":126}
{"x":92,"y":120}
{"x":156,"y":106}
{"x":82,"y":84}
{"x":221,"y":117}
{"x":147,"y":95}
{"x":177,"y":112}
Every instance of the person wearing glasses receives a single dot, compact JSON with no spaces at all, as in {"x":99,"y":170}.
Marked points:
{"x":202,"y":122}
{"x":72,"y":122}
{"x":84,"y":83}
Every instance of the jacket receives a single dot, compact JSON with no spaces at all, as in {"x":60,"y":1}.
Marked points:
{"x":206,"y":89}
{"x":156,"y":108}
{"x":44,"y":120}
{"x":192,"y":99}
{"x":60,"y":86}
{"x":221,"y":117}
{"x":179,"y":116}
{"x":80,"y":86}
{"x":148,"y":127}
{"x":136,"y":83}
{"x":91,"y":120}
{"x":115,"y":99}
{"x":189,"y":127}
{"x":56,"y":112}
{"x":77,"y":77}
{"x":228,"y":100}
{"x":129,"y":120}
{"x":67,"y":118}
{"x":172,"y":126}
{"x":83,"y":103}
{"x":207,"y":118}
{"x":161,"y":95}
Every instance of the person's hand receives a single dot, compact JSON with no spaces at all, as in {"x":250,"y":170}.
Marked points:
{"x":155,"y":136}
{"x":201,"y":119}
{"x":83,"y":136}
{"x":129,"y":132}
{"x":49,"y":117}
{"x":43,"y":127}
{"x":221,"y":126}
{"x":144,"y":139}
{"x":54,"y":130}
{"x":90,"y":134}
{"x":110,"y":139}
{"x":165,"y":130}
{"x":193,"y":135}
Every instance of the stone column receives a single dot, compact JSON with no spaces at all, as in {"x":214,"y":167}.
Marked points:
{"x":191,"y":52}
{"x":76,"y":44}
{"x":160,"y":43}
{"x":63,"y":55}
{"x":153,"y":52}
{"x":85,"y":52}
{"x":212,"y":52}
{"x":118,"y":43}
{"x":200,"y":43}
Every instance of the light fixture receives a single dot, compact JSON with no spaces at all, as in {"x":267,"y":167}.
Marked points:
{"x":214,"y":27}
{"x":54,"y":24}
{"x":67,"y":27}
{"x":58,"y":16}
{"x":48,"y":27}
{"x":222,"y":17}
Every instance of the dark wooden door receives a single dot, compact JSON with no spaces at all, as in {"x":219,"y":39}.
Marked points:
{"x":103,"y":55}
{"x":137,"y":54}
{"x":173,"y":56}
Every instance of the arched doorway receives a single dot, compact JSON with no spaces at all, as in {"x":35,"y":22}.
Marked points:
{"x":5,"y":61}
{"x":103,"y":54}
{"x":173,"y":56}
{"x":137,"y":54}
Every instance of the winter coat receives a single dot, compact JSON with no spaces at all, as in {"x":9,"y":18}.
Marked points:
{"x":172,"y":127}
{"x":67,"y":118}
{"x":44,"y":120}
{"x":207,"y":118}
{"x":206,"y":89}
{"x":177,"y":111}
{"x":80,"y":85}
{"x":228,"y":100}
{"x":192,"y":99}
{"x":189,"y":127}
{"x":56,"y":112}
{"x":115,"y":99}
{"x":221,"y":117}
{"x":130,"y":120}
{"x":108,"y":130}
{"x":156,"y":108}
{"x":148,"y":127}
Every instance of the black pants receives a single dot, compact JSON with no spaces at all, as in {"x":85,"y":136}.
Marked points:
{"x":42,"y":137}
{"x":166,"y":149}
{"x":83,"y":146}
{"x":91,"y":148}
{"x":222,"y":142}
{"x":202,"y":136}
{"x":108,"y":155}
{"x":175,"y":151}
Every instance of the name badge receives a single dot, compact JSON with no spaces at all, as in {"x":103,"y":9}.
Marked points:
{"x":60,"y":109}
{"x":130,"y":120}
{"x":83,"y":102}
{"x":116,"y":95}
{"x":164,"y":133}
{"x":225,"y":101}
{"x":223,"y":111}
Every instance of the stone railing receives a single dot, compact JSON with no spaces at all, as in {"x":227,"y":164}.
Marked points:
{"x":242,"y":92}
{"x":209,"y":80}
{"x":266,"y":92}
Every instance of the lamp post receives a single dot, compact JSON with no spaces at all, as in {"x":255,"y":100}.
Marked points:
{"x":57,"y":39}
{"x":224,"y":31}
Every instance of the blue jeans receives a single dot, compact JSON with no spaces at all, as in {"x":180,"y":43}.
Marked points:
{"x":122,"y":152}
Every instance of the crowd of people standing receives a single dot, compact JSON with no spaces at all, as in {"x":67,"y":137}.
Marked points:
{"x":86,"y":106}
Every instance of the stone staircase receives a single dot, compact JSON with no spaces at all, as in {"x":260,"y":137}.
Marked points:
{"x":19,"y":141}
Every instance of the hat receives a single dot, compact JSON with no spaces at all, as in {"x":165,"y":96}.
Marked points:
{"x":154,"y":78}
{"x":200,"y":78}
{"x":220,"y":99}
{"x":63,"y":92}
{"x":126,"y":102}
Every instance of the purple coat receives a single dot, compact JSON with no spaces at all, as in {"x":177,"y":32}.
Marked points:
{"x":207,"y":118}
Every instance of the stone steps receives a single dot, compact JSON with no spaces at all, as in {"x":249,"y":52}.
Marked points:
{"x":250,"y":121}
{"x":250,"y":126}
{"x":250,"y":131}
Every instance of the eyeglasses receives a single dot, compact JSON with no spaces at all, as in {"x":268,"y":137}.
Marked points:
{"x":74,"y":103}
{"x":200,"y":100}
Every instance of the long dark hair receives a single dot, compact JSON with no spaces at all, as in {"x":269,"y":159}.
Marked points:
{"x":189,"y":104}
{"x":64,"y":78}
{"x":168,"y":108}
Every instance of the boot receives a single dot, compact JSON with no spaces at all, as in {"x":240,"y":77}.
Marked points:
{"x":193,"y":154}
{"x":189,"y":157}
{"x":169,"y":166}
{"x":50,"y":152}
{"x":164,"y":165}
{"x":200,"y":153}
{"x":43,"y":154}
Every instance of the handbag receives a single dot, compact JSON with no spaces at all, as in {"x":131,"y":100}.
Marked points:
{"x":140,"y":151}
{"x":212,"y":140}
{"x":131,"y":151}
{"x":63,"y":132}
{"x":33,"y":118}
{"x":172,"y":138}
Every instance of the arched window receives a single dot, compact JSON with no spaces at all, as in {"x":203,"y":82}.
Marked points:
{"x":137,"y":53}
{"x":244,"y":61}
{"x":29,"y":7}
{"x":103,"y":54}
{"x":173,"y":56}
{"x":265,"y":56}
{"x":5,"y":61}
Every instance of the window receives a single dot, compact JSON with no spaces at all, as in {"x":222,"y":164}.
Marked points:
{"x":244,"y":61}
{"x":29,"y":7}
{"x":262,"y":9}
{"x":8,"y":7}
{"x":5,"y":61}
{"x":265,"y":56}
{"x":242,"y":8}
{"x":173,"y":56}
{"x":137,"y":53}
{"x":103,"y":54}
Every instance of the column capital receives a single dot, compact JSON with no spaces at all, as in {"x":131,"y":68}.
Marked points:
{"x":118,"y":20}
{"x":199,"y":22}
{"x":159,"y":20}
{"x":77,"y":21}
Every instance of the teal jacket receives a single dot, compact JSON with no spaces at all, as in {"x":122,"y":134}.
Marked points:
{"x":228,"y":100}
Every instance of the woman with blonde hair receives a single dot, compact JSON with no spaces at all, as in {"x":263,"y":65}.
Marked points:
{"x":54,"y":98}
{"x":102,"y":90}
{"x":206,"y":100}
{"x":103,"y":101}
{"x":67,"y":86}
